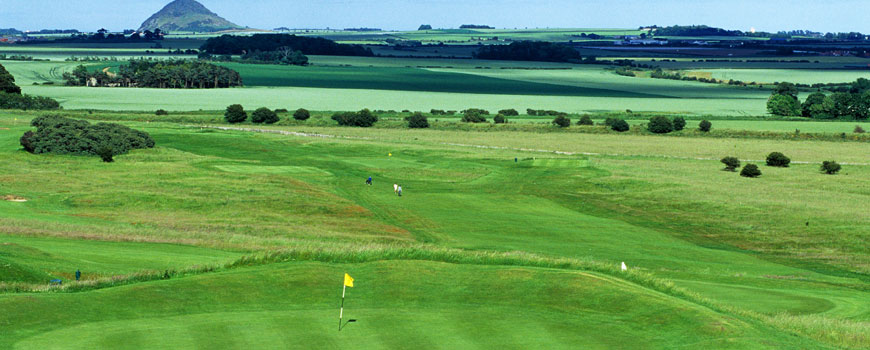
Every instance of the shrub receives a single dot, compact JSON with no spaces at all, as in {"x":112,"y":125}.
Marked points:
{"x":530,"y":111}
{"x":363,"y":118}
{"x":301,"y":114}
{"x":264,"y":115}
{"x":161,"y":112}
{"x":619,"y":125}
{"x":562,"y":121}
{"x":105,"y":153}
{"x":705,"y":126}
{"x":830,"y":167}
{"x":418,"y":121}
{"x":858,"y":129}
{"x":660,"y":125}
{"x":731,"y":163}
{"x":473,"y":116}
{"x":437,"y":112}
{"x":585,"y":120}
{"x":610,"y":120}
{"x":509,"y":112}
{"x":778,"y":159}
{"x":26,"y":102}
{"x":476,"y":110}
{"x":679,"y":123}
{"x":235,"y":114}
{"x":59,"y":135}
{"x":499,"y":119}
{"x":750,"y":170}
{"x":282,"y":110}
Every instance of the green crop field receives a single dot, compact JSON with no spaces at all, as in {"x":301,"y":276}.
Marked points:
{"x":802,"y":76}
{"x":496,"y":242}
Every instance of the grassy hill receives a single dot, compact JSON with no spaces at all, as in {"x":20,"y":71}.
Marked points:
{"x":187,"y":16}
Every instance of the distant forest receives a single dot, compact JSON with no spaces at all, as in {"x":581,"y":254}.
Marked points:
{"x":530,"y":51}
{"x":237,"y":45}
{"x":178,"y":74}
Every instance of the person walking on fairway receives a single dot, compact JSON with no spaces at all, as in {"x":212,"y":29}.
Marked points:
{"x":399,"y":191}
{"x":369,"y":181}
{"x":395,"y":188}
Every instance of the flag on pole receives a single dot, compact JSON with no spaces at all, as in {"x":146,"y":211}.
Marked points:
{"x":348,"y":281}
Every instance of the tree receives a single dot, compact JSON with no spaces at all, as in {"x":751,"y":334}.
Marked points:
{"x":235,"y":114}
{"x":705,"y":126}
{"x":7,"y":82}
{"x":418,"y":121}
{"x":473,"y":115}
{"x":679,"y":123}
{"x":783,"y":105}
{"x":786,"y":89}
{"x":425,"y":27}
{"x":619,"y":125}
{"x":585,"y":120}
{"x":778,"y":159}
{"x":105,"y":153}
{"x":301,"y":114}
{"x":161,"y":112}
{"x":264,"y":115}
{"x":750,"y":170}
{"x":499,"y":119}
{"x":818,"y":106}
{"x":660,"y":125}
{"x":731,"y":163}
{"x":562,"y":121}
{"x":830,"y":167}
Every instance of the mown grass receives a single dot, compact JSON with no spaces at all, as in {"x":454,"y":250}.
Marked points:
{"x":641,"y":199}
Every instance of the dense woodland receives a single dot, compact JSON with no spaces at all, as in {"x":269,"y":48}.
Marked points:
{"x":178,"y":74}
{"x":238,"y":45}
{"x":530,"y":51}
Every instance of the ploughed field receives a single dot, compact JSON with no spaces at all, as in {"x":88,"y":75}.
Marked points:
{"x":496,"y":242}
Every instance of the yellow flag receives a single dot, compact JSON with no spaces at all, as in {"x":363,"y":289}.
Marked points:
{"x":348,"y":281}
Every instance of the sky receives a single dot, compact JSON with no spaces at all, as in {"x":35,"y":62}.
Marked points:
{"x":764,"y":15}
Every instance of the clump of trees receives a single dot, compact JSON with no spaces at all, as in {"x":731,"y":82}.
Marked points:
{"x":562,"y":121}
{"x":60,"y":135}
{"x":235,"y":114}
{"x":283,"y":55}
{"x":509,"y":112}
{"x":783,"y":100}
{"x":705,"y":126}
{"x":418,"y":121}
{"x":264,"y":115}
{"x":731,"y":163}
{"x":474,"y":115}
{"x":364,"y":118}
{"x":181,"y":74}
{"x":544,"y":112}
{"x":660,"y":125}
{"x":237,"y":45}
{"x":750,"y":170}
{"x":425,"y":27}
{"x":301,"y":114}
{"x":585,"y":120}
{"x":529,"y":51}
{"x":161,"y":112}
{"x":830,"y":167}
{"x":777,"y":159}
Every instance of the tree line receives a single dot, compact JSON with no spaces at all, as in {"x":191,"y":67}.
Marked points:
{"x":179,"y":74}
{"x":238,"y":45}
{"x":530,"y":51}
{"x":851,"y":104}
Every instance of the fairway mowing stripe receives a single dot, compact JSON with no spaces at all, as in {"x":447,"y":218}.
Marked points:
{"x":564,"y":153}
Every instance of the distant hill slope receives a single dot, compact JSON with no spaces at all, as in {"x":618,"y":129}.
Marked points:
{"x":187,"y":16}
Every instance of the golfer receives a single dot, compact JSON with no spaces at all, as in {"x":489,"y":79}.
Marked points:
{"x":369,"y":181}
{"x":399,"y":191}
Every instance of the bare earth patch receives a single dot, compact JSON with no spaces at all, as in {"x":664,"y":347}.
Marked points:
{"x":11,"y":198}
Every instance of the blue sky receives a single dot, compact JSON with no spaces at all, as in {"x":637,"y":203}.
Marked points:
{"x":768,"y":15}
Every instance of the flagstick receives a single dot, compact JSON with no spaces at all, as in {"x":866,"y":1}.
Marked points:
{"x":341,"y":313}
